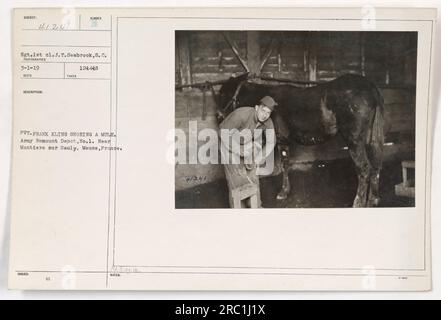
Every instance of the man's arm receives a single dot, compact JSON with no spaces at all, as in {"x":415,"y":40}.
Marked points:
{"x":230,"y":131}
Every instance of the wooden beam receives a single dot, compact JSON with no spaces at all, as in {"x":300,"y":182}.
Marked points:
{"x":235,"y":49}
{"x":312,"y":57}
{"x":184,"y":58}
{"x":253,"y":52}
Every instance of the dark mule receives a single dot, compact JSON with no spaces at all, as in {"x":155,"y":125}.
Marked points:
{"x":350,"y":105}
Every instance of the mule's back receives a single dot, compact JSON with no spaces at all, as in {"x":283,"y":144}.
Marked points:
{"x":314,"y":114}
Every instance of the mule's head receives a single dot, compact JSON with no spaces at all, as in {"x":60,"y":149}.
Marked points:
{"x":228,"y":89}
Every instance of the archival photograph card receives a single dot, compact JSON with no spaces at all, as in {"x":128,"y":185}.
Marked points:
{"x":221,"y":149}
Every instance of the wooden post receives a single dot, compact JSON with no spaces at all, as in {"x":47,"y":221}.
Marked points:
{"x":253,"y":52}
{"x":405,"y":183}
{"x":312,"y":58}
{"x":184,"y":58}
{"x":362,"y":54}
{"x":178,"y":80}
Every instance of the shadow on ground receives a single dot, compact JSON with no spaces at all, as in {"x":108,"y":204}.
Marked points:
{"x":329,"y":184}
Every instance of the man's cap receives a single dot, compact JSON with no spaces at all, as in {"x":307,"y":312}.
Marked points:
{"x":268,"y":102}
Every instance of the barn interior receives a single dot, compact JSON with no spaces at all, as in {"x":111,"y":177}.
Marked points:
{"x":321,"y":175}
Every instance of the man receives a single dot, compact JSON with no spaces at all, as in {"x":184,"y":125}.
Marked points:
{"x":244,"y":147}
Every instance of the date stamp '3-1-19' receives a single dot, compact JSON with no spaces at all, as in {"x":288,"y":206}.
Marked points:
{"x":222,"y":309}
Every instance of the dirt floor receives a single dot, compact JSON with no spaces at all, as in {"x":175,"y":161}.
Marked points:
{"x":330,"y":184}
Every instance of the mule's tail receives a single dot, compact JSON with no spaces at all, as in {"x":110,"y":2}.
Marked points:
{"x":375,"y":151}
{"x":377,"y":131}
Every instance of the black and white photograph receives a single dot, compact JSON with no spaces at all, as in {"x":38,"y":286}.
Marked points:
{"x":223,"y":149}
{"x":295,"y":119}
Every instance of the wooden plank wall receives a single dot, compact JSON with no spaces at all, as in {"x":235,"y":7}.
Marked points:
{"x":387,"y":58}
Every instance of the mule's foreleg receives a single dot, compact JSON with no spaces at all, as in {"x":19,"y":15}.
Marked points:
{"x":359,"y":156}
{"x":286,"y":187}
{"x":374,"y":192}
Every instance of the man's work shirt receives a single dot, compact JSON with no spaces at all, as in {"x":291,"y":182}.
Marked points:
{"x":243,"y":122}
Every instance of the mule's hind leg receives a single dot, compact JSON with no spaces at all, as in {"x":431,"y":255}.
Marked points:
{"x":359,"y":156}
{"x":375,"y":154}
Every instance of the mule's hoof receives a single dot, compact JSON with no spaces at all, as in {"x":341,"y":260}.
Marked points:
{"x":282,"y":196}
{"x":358,"y":203}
